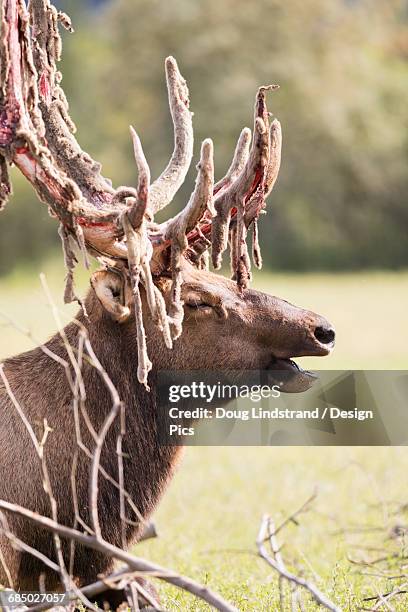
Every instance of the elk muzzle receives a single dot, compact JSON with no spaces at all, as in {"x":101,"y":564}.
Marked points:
{"x":286,"y":332}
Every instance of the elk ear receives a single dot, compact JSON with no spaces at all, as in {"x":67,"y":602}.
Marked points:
{"x":110,"y":291}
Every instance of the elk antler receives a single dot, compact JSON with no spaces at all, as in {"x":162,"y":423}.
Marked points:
{"x":117,"y":225}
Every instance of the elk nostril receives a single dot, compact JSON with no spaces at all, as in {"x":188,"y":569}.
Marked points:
{"x":325,"y":335}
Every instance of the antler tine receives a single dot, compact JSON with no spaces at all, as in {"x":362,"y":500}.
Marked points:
{"x":245,"y":197}
{"x":197,"y":237}
{"x":136,"y":253}
{"x":140,"y":206}
{"x":234,"y":196}
{"x":77,"y":164}
{"x":274,"y":156}
{"x":200,"y":201}
{"x":257,"y":202}
{"x":176,"y":229}
{"x":139,"y":212}
{"x":239,"y":160}
{"x":23,"y":130}
{"x":139,"y":253}
{"x":165,"y":187}
{"x":255,"y":206}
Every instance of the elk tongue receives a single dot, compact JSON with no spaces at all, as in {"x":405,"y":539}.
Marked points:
{"x":291,"y":377}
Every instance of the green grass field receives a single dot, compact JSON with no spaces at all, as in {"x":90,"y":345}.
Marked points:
{"x":368,"y":311}
{"x":209,"y":518}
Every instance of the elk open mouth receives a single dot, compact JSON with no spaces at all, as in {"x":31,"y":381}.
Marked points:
{"x":290,"y":376}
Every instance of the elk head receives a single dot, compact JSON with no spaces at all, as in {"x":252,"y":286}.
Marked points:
{"x":154,"y":276}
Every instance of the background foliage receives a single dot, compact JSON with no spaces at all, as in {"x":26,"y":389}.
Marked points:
{"x":340,"y":202}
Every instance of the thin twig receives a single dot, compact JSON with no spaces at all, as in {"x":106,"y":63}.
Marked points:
{"x":135,"y":563}
{"x":276,"y":562}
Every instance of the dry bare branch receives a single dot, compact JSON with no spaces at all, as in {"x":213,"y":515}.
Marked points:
{"x":385,"y":598}
{"x":124,"y":576}
{"x":292,"y":518}
{"x":93,"y":483}
{"x":96,"y":536}
{"x":3,"y":562}
{"x":39,"y":448}
{"x":20,"y":545}
{"x":267,"y":533}
{"x":134,"y":563}
{"x":149,"y":532}
{"x":76,"y":362}
{"x":19,"y":410}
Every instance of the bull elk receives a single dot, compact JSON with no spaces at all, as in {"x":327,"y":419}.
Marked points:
{"x":153,"y":305}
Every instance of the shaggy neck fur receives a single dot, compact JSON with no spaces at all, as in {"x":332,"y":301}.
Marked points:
{"x":41,"y":387}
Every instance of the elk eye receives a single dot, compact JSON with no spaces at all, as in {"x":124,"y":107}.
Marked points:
{"x":198,"y":305}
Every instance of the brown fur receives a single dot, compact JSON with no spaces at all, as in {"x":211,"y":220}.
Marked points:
{"x":236,"y":331}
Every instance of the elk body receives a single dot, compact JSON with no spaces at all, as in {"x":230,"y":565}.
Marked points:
{"x":153,"y":305}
